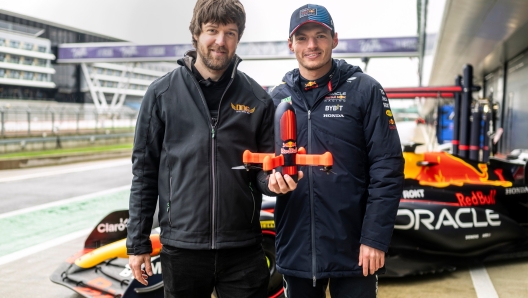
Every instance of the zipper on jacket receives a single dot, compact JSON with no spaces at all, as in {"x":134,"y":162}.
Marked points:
{"x":213,"y":124}
{"x":310,"y":182}
{"x":312,"y":213}
{"x":168,"y":203}
{"x":213,"y":173}
{"x":310,"y":175}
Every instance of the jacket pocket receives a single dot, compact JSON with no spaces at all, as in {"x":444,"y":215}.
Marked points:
{"x":169,"y":202}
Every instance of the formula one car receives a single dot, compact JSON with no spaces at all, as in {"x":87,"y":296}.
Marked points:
{"x":101,"y":268}
{"x":456,"y":211}
{"x":453,"y":211}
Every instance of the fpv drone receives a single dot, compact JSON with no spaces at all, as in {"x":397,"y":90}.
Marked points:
{"x":287,"y":156}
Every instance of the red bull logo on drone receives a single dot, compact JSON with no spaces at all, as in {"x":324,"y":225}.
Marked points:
{"x":289,"y":147}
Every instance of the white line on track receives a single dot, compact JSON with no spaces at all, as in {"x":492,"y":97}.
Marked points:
{"x":482,"y":282}
{"x":42,"y":246}
{"x":65,"y":201}
{"x":67,"y":171}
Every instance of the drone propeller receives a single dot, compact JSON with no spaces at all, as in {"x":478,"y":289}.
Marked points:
{"x":246,"y":167}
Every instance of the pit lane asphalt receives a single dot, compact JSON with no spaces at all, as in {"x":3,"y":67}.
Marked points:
{"x":29,"y":276}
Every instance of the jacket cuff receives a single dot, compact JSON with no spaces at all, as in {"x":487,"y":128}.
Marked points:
{"x":262,"y":184}
{"x":140,"y":250}
{"x":374,"y":244}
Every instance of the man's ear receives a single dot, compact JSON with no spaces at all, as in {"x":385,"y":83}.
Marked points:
{"x":334,"y":41}
{"x":290,"y":44}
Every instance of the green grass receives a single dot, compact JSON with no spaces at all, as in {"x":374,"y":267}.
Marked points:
{"x":66,"y":151}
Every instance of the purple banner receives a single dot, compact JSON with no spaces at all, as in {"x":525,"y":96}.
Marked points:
{"x":114,"y":52}
{"x":378,"y":45}
{"x":106,"y":51}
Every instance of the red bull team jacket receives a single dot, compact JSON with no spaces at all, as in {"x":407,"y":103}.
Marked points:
{"x":322,"y":223}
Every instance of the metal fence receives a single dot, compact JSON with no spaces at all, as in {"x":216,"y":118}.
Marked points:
{"x":39,"y":121}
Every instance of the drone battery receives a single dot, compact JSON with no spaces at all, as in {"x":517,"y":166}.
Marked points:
{"x":286,"y":138}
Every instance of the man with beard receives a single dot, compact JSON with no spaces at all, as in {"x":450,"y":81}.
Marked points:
{"x":335,"y":228}
{"x":193,"y":126}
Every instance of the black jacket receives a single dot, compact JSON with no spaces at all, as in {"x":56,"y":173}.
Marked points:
{"x":322,"y":223}
{"x":184,"y":158}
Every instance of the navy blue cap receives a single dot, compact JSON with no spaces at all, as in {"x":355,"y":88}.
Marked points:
{"x":310,"y":13}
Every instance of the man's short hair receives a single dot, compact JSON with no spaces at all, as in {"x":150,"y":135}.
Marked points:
{"x":217,"y":12}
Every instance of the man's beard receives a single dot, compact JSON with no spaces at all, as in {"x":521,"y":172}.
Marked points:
{"x":214,"y":63}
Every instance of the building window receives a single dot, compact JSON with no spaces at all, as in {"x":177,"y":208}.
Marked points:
{"x":2,"y":72}
{"x":118,"y":73}
{"x":28,"y":75}
{"x":14,"y":59}
{"x":14,"y":74}
{"x":28,"y":61}
{"x":99,"y":70}
{"x":14,"y":44}
{"x":28,"y":46}
{"x":40,"y":76}
{"x":2,"y":57}
{"x":2,"y":42}
{"x":42,"y":49}
{"x":42,"y":62}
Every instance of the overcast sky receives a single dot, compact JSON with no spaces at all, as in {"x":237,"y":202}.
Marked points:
{"x":167,"y":22}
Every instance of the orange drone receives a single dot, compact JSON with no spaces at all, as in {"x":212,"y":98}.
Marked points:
{"x":287,"y":156}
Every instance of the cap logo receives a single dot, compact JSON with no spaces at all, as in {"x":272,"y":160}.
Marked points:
{"x":307,"y":12}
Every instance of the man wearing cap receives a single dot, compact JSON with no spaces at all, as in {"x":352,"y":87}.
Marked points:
{"x":335,"y":228}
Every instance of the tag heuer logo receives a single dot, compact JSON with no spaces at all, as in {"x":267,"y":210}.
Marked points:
{"x":242,"y":109}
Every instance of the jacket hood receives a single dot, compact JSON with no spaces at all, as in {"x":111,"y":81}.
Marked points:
{"x":343,"y":71}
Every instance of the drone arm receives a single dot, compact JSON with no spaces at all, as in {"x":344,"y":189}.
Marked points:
{"x":325,"y":159}
{"x":271,"y":162}
{"x":254,"y":158}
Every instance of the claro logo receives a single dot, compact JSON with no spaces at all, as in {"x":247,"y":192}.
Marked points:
{"x":110,"y":228}
{"x":418,"y":217}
